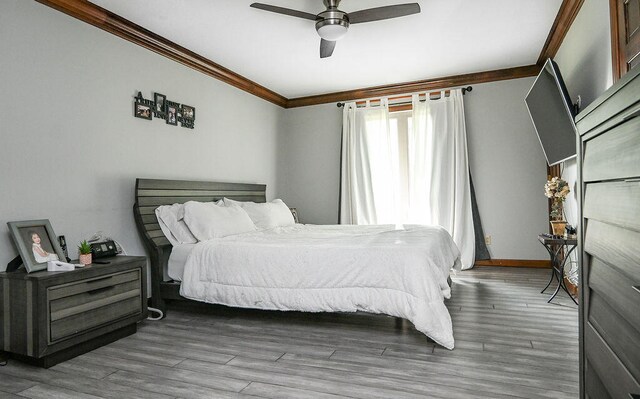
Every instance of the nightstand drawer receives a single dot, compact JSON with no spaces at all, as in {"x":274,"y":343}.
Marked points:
{"x":92,"y":285}
{"x":80,"y":322}
{"x":80,"y":306}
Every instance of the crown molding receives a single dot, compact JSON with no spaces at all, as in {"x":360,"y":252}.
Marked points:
{"x":121,"y":27}
{"x":566,"y":15}
{"x":115,"y":24}
{"x":415,"y":86}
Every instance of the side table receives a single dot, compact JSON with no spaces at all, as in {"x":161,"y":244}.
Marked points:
{"x":49,"y":317}
{"x":554,"y":245}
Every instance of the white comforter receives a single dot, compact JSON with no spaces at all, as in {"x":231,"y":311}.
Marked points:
{"x":375,"y":269}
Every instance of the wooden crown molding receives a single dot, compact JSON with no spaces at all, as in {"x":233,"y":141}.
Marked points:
{"x":115,"y":24}
{"x":566,"y":15}
{"x":121,"y":27}
{"x":420,"y":85}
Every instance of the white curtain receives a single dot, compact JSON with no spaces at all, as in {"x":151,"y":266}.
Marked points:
{"x":369,"y":166}
{"x":439,"y":189}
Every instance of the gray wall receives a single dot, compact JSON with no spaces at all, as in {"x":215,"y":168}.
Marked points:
{"x":585,"y":62}
{"x":506,"y":160}
{"x":584,"y":59}
{"x":508,"y":168}
{"x":309,"y":173}
{"x":70,"y":147}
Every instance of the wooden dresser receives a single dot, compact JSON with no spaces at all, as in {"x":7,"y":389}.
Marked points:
{"x":49,"y":317}
{"x":609,"y":242}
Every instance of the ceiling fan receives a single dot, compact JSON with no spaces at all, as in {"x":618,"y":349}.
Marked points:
{"x":332,"y":24}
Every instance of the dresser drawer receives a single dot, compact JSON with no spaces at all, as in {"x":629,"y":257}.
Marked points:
{"x":617,"y":289}
{"x":80,"y":306}
{"x":613,"y":154}
{"x":615,"y":245}
{"x":614,"y":376}
{"x":616,"y":203}
{"x":616,"y":330}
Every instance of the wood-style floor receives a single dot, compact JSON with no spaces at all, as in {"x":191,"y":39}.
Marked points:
{"x":509,"y":343}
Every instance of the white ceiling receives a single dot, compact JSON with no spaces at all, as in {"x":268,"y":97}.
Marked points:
{"x":449,"y":37}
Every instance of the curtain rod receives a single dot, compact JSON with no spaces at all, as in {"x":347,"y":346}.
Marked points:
{"x":464,"y":91}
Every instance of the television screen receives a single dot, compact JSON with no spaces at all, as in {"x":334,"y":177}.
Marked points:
{"x":552,"y":114}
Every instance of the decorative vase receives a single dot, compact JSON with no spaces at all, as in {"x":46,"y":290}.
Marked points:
{"x":558,"y":227}
{"x":85,"y":259}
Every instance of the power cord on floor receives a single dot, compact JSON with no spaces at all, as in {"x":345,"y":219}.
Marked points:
{"x":160,"y":313}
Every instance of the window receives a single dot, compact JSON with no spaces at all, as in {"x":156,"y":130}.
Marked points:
{"x":400,"y":124}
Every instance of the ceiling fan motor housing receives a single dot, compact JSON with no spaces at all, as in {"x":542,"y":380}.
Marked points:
{"x":332,"y":24}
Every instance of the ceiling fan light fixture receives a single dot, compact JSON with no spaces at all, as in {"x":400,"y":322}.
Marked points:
{"x":332,"y":32}
{"x":332,"y":24}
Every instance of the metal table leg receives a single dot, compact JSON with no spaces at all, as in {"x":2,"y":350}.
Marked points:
{"x":557,"y":270}
{"x":553,"y":256}
{"x":564,"y":287}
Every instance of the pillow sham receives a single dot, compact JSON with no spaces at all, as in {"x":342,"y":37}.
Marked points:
{"x":208,"y":220}
{"x":169,"y":218}
{"x":266,"y":215}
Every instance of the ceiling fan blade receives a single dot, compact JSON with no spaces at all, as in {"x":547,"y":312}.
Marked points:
{"x":285,"y":11}
{"x":326,"y":48}
{"x":387,"y":12}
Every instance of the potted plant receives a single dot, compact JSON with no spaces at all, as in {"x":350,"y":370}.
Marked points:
{"x":557,"y":190}
{"x":85,"y":253}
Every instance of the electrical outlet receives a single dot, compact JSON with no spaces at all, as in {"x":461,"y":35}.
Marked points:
{"x":487,"y":240}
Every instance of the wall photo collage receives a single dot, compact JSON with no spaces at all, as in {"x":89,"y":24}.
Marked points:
{"x":172,"y":112}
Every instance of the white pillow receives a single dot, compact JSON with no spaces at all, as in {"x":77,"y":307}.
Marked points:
{"x":169,"y":219}
{"x":208,"y":220}
{"x":266,"y":215}
{"x":180,"y":213}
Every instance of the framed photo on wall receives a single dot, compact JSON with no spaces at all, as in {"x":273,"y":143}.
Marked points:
{"x":172,"y":114}
{"x":36,"y":243}
{"x":188,"y":112}
{"x":142,"y":111}
{"x":159,"y":104}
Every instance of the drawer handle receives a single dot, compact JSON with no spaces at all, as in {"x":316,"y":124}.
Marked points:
{"x":631,"y":115}
{"x":637,"y":288}
{"x":99,"y":290}
{"x":99,"y":279}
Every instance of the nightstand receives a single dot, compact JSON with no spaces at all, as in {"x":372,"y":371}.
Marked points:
{"x":50,"y":317}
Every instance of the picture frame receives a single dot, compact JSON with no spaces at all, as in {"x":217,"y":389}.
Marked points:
{"x":188,"y":112}
{"x":172,"y":114}
{"x":36,"y":242}
{"x":159,"y":104}
{"x":143,"y":111}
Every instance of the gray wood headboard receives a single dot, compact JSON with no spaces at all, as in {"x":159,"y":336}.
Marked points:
{"x":152,"y":193}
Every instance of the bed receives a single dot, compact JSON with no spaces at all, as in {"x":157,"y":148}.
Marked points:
{"x":401,"y":272}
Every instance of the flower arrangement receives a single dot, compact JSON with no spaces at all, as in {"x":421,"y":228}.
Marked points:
{"x":556,"y":189}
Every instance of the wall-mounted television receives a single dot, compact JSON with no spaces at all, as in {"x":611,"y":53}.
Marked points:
{"x":552,"y":114}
